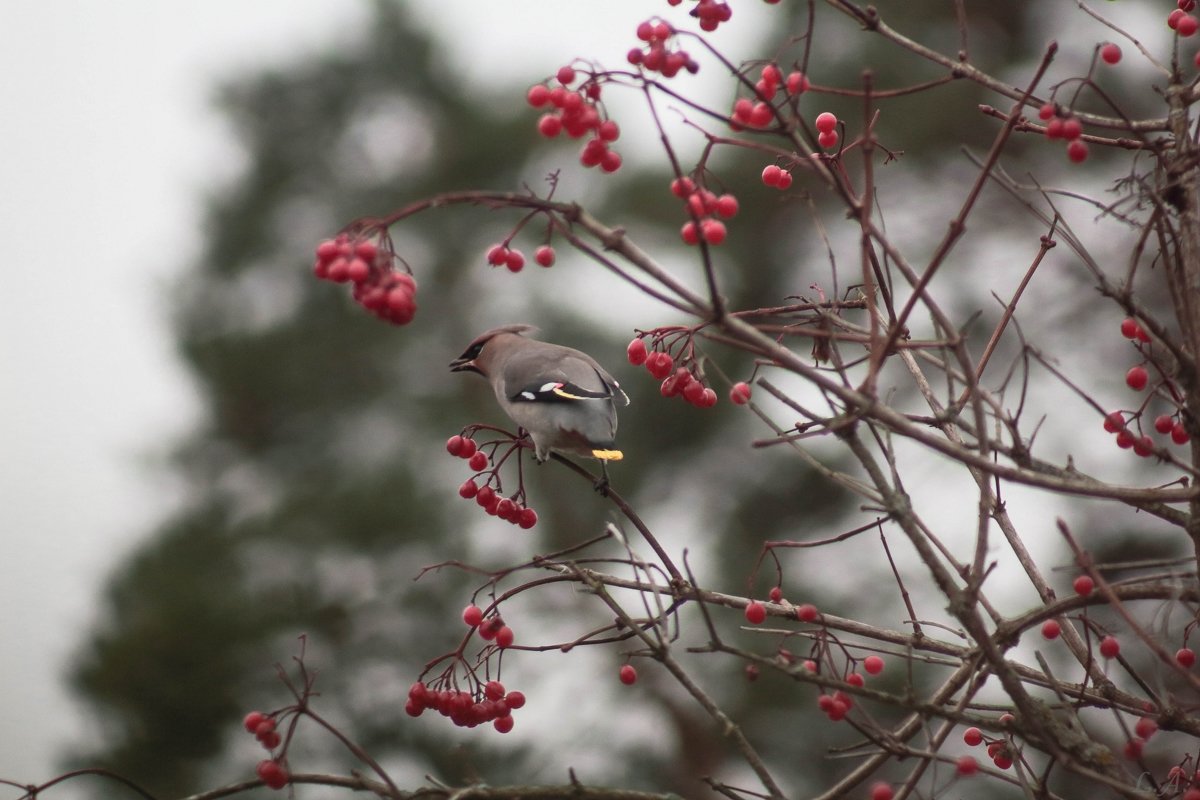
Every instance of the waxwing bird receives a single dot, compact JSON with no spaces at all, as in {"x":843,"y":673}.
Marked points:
{"x":561,"y":396}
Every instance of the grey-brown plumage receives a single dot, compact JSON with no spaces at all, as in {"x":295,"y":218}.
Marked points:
{"x":561,"y":396}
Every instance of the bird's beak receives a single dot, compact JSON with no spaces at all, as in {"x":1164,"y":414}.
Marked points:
{"x":463,"y":365}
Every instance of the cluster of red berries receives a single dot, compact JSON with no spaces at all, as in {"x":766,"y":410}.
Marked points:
{"x":711,"y":13}
{"x":501,"y":255}
{"x":657,"y":57}
{"x":508,"y":509}
{"x":269,"y":770}
{"x":748,"y":113}
{"x":490,"y":628}
{"x":1143,"y":729}
{"x":998,"y":749}
{"x":1180,"y":21}
{"x":826,"y":125}
{"x":488,"y":703}
{"x":776,"y":176}
{"x":756,"y":612}
{"x":1059,"y":126}
{"x":378,"y":287}
{"x":1138,"y":378}
{"x":676,"y":381}
{"x":706,"y":206}
{"x":1178,"y":777}
{"x":576,"y":113}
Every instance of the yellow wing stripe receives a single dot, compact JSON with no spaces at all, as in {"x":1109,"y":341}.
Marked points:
{"x":558,"y":390}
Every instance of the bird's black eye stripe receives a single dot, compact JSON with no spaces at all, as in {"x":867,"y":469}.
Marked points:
{"x":472,"y":352}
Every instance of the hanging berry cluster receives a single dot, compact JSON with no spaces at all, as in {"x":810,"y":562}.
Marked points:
{"x":1138,"y":379}
{"x":577,"y":113}
{"x":271,"y":771}
{"x":510,"y":509}
{"x":705,"y":206}
{"x":658,"y":55}
{"x":483,"y":700}
{"x":378,"y":286}
{"x":678,"y":380}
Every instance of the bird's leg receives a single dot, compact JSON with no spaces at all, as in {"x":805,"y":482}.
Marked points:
{"x":602,"y":484}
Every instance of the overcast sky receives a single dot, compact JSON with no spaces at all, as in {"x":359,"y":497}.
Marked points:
{"x":106,"y":150}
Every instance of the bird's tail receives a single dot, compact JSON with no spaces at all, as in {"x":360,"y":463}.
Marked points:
{"x":608,"y":455}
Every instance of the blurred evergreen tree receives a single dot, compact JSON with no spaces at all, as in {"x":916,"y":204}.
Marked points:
{"x":318,"y":484}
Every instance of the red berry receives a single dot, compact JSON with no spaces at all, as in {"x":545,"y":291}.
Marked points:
{"x":544,"y":256}
{"x":881,"y":791}
{"x":515,"y":260}
{"x":566,"y":75}
{"x":693,"y":392}
{"x":1083,"y":585}
{"x":1163,"y":423}
{"x":688,"y":233}
{"x":1133,"y":749}
{"x":1185,"y":657}
{"x":468,"y":448}
{"x":713,"y":231}
{"x":1187,"y":25}
{"x":272,"y":774}
{"x":756,"y":612}
{"x":1002,"y":761}
{"x":727,"y":206}
{"x":527,"y":518}
{"x":708,"y":399}
{"x":825,"y":122}
{"x":1186,"y":5}
{"x":682,"y":187}
{"x":806,"y":613}
{"x":493,"y":690}
{"x":966,"y":766}
{"x":1047,"y":111}
{"x":253,"y":720}
{"x":1174,"y":17}
{"x":761,"y":115}
{"x":973,"y":736}
{"x":1114,"y":421}
{"x":504,"y":636}
{"x":264,"y":728}
{"x":776,"y":594}
{"x":550,"y":125}
{"x":472,"y":615}
{"x":770,"y":175}
{"x":1143,"y":446}
{"x":610,"y":161}
{"x":468,"y":489}
{"x":1072,"y":129}
{"x":1054,"y":128}
{"x":1051,"y":629}
{"x":1137,"y":378}
{"x":797,"y":83}
{"x":503,"y":724}
{"x":739,"y":395}
{"x":1145,"y":727}
{"x":854,"y":679}
{"x":1109,"y":647}
{"x":1125,"y":439}
{"x":785,"y":180}
{"x":636,"y":352}
{"x":538,"y":95}
{"x":497,"y":255}
{"x":628,"y":675}
{"x":514,"y":700}
{"x":873,"y":665}
{"x":1179,"y":434}
{"x":1111,"y":53}
{"x":827,"y":139}
{"x":608,"y":131}
{"x":1077,"y":150}
{"x":478,"y":462}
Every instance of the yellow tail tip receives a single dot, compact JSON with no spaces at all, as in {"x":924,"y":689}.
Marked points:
{"x":608,"y":455}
